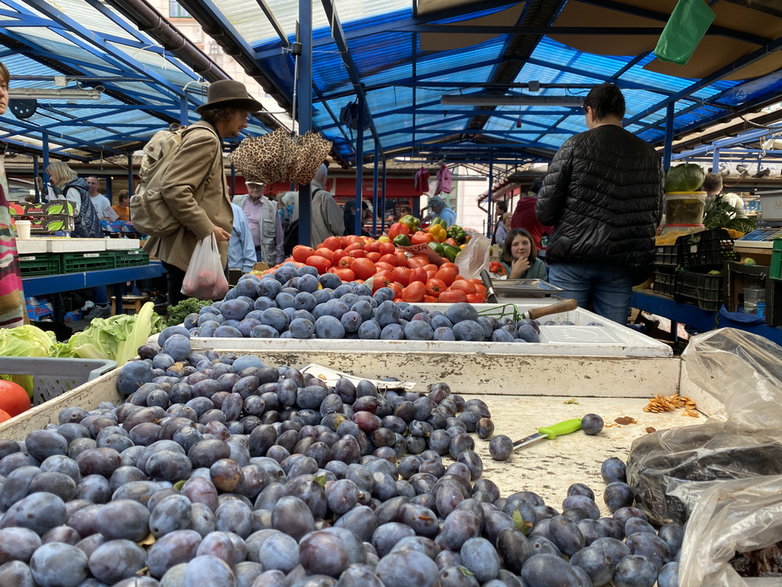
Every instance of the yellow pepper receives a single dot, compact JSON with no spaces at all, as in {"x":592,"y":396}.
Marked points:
{"x":384,"y":239}
{"x":438,"y":232}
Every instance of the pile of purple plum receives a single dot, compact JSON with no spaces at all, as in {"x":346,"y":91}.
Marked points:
{"x":220,"y":470}
{"x":296,"y":303}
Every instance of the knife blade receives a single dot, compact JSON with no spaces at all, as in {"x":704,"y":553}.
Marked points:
{"x":549,"y":432}
{"x":491,"y":296}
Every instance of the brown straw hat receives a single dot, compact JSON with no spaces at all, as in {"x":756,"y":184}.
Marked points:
{"x":226,"y":93}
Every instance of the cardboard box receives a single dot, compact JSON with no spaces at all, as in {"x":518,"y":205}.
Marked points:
{"x":53,"y":208}
{"x":51,"y":224}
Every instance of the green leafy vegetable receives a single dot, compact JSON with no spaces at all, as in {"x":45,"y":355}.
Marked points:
{"x":177,"y":313}
{"x":116,"y":338}
{"x":720,"y":213}
{"x":25,"y":341}
{"x":687,"y":177}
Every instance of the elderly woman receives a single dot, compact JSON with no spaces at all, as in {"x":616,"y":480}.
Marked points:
{"x":326,"y":214}
{"x":194,"y":186}
{"x":74,"y":189}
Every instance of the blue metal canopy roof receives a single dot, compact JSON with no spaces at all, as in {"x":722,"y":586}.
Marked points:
{"x":60,"y":48}
{"x":404,"y":56}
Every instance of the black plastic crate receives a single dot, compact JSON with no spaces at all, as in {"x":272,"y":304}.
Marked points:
{"x":76,"y":262}
{"x":708,"y":248}
{"x":666,"y":255}
{"x":699,"y":288}
{"x":40,"y":264}
{"x":664,"y":281}
{"x":129,"y":258}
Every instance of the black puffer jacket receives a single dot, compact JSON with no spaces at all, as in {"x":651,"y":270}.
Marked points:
{"x":604,"y":194}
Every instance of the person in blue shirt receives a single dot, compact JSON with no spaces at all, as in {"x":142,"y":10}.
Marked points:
{"x":241,"y":249}
{"x":440,"y":210}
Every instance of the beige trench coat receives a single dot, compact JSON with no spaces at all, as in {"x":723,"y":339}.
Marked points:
{"x":196,"y":191}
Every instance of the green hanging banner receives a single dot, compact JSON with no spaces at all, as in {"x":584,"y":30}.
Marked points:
{"x":684,"y":30}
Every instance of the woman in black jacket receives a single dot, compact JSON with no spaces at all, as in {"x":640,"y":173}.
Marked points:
{"x":604,"y":195}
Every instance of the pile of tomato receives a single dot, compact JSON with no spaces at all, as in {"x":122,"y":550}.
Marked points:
{"x":413,"y":278}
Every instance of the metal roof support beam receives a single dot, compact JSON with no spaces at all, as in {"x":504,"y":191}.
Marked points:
{"x":359,"y":167}
{"x":670,"y":110}
{"x":418,"y":78}
{"x":350,"y":65}
{"x":715,"y":76}
{"x":624,"y":84}
{"x":90,"y":41}
{"x":225,"y":35}
{"x":741,"y":139}
{"x":269,"y":14}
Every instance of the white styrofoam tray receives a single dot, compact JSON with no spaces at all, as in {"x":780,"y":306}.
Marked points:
{"x":76,"y":245}
{"x":122,"y":244}
{"x":30,"y":246}
{"x":587,"y":335}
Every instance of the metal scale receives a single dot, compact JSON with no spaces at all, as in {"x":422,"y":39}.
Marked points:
{"x":769,"y":225}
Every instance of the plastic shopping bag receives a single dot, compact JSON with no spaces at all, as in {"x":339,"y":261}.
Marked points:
{"x":205,"y":278}
{"x":474,"y":257}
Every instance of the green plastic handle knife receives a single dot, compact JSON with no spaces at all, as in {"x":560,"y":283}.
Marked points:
{"x":550,"y":432}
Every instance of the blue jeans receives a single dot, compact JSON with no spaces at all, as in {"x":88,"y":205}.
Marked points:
{"x":606,"y":288}
{"x":100,"y":295}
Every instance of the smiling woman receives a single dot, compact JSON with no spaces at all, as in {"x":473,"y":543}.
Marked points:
{"x":11,"y":294}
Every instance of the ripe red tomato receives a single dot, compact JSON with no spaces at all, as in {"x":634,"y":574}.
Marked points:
{"x":382,"y":265}
{"x":381,"y":279}
{"x":301,"y":252}
{"x":430,"y":299}
{"x":363,"y":268}
{"x":434,"y":287}
{"x":402,"y":275}
{"x":345,"y":274}
{"x":414,"y":292}
{"x":397,"y":287}
{"x":358,"y":253}
{"x":326,"y":253}
{"x":386,"y":248}
{"x":401,"y":258}
{"x":463,"y":285}
{"x":353,"y":246}
{"x":320,"y":263}
{"x":452,"y":296}
{"x":374,"y":256}
{"x":4,"y":416}
{"x":476,"y":298}
{"x":373,"y":247}
{"x":345,"y":262}
{"x":391,"y":259}
{"x":13,"y":398}
{"x":333,"y":243}
{"x":418,"y":274}
{"x":446,"y":274}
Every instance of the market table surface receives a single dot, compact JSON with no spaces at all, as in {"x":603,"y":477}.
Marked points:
{"x":55,"y":284}
{"x":694,"y":317}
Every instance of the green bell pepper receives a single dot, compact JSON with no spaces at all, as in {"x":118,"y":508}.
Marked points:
{"x":401,"y":240}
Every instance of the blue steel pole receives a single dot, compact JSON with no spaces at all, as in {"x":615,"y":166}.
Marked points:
{"x":375,"y":208}
{"x":38,"y":197}
{"x":715,"y":161}
{"x":383,"y":199}
{"x":359,"y":165}
{"x":667,"y":146}
{"x":45,"y":156}
{"x":491,"y":186}
{"x":304,"y":109}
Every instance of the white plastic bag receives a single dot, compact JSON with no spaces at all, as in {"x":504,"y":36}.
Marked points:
{"x":474,"y":257}
{"x":205,"y":278}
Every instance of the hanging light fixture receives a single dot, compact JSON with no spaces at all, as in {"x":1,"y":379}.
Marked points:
{"x":55,"y":93}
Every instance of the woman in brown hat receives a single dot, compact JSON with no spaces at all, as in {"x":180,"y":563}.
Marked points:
{"x":195,"y":187}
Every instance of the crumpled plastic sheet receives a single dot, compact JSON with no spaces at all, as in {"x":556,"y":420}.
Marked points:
{"x":725,"y":476}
